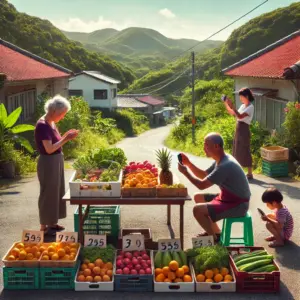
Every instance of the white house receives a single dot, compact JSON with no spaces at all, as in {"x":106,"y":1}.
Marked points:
{"x":26,"y":76}
{"x":99,"y":90}
{"x":273,"y":75}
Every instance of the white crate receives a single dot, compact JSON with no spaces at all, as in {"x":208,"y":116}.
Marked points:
{"x":105,"y":286}
{"x":95,"y":188}
{"x":274,"y":153}
{"x":177,"y":287}
{"x":211,"y":287}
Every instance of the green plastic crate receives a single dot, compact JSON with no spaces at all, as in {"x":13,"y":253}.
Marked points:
{"x":275,"y":169}
{"x":100,"y":220}
{"x":20,"y":278}
{"x":58,"y":278}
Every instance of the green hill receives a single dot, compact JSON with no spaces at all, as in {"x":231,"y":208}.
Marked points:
{"x":42,"y":38}
{"x":249,"y":38}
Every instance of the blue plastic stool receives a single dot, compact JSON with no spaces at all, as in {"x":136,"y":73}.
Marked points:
{"x":246,"y":240}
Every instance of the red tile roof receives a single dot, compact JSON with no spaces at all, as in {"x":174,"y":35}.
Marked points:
{"x":150,"y":100}
{"x":20,"y":65}
{"x":271,"y":61}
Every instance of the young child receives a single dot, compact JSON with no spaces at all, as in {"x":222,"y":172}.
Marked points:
{"x":280,"y":223}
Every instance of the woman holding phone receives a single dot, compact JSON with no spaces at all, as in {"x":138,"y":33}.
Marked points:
{"x":242,"y":138}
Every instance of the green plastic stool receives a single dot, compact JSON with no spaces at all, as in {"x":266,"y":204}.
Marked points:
{"x":246,"y":240}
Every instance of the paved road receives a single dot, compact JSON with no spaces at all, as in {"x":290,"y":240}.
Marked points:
{"x":18,"y":210}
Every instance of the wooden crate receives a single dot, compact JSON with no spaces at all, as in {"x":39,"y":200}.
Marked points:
{"x":138,"y":192}
{"x":172,"y":192}
{"x":274,"y":153}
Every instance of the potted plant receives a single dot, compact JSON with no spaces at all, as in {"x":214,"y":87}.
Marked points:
{"x":9,"y":135}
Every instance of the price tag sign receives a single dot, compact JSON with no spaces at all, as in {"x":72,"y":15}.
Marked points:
{"x":169,"y":245}
{"x":66,"y":237}
{"x":203,"y":241}
{"x":31,"y":236}
{"x":92,"y":240}
{"x":133,"y":242}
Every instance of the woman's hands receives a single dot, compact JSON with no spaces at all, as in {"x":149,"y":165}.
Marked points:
{"x":229,"y":103}
{"x":70,"y":134}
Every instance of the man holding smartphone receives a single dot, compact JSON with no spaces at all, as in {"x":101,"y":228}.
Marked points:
{"x":226,"y":172}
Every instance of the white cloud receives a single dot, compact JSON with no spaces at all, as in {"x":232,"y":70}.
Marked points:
{"x":167,"y":13}
{"x":77,"y":24}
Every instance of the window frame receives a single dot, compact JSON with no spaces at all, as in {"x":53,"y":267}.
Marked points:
{"x":102,"y":97}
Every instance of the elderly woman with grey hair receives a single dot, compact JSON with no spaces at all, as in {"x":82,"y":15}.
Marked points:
{"x":50,"y":167}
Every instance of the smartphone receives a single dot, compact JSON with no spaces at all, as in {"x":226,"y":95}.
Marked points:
{"x":179,"y":158}
{"x":261,"y":212}
{"x":224,"y":97}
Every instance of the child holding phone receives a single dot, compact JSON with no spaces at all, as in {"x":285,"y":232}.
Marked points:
{"x":280,"y":223}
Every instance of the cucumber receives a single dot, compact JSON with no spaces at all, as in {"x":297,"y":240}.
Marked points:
{"x":252,"y":259}
{"x":254,"y":253}
{"x":255,"y":265}
{"x":265,"y":269}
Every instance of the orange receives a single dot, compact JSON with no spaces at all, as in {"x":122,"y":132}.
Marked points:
{"x":45,"y":257}
{"x":61,"y":252}
{"x":96,"y":270}
{"x":186,"y":269}
{"x":15,"y":252}
{"x":34,"y":249}
{"x":43,"y":248}
{"x":99,"y":263}
{"x":165,"y":271}
{"x":178,"y":280}
{"x":55,"y":256}
{"x":80,"y":273}
{"x":22,"y":255}
{"x":20,"y":246}
{"x":167,"y":280}
{"x":11,"y":257}
{"x":38,"y":254}
{"x":83,"y":267}
{"x":180,"y":273}
{"x":109,"y":273}
{"x":216,"y":271}
{"x":66,"y":257}
{"x":160,"y":278}
{"x":29,"y":256}
{"x":67,"y":249}
{"x":97,"y":279}
{"x":209,"y":274}
{"x":218,"y":278}
{"x":87,"y":272}
{"x":109,"y":266}
{"x":91,"y":266}
{"x":89,"y":279}
{"x":28,"y":249}
{"x":200,"y":278}
{"x":73,"y":250}
{"x":51,"y":249}
{"x":158,"y":271}
{"x":187,"y":278}
{"x":74,"y":245}
{"x":171,"y":275}
{"x":173,"y":265}
{"x":209,"y":280}
{"x":106,"y":278}
{"x":81,"y":278}
{"x":228,"y":278}
{"x":102,"y":272}
{"x":224,"y":271}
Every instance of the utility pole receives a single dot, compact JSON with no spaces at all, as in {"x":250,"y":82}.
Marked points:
{"x":193,"y":98}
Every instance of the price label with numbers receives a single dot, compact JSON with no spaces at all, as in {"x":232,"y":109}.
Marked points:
{"x":66,"y":237}
{"x":31,"y":236}
{"x":169,"y":245}
{"x":133,"y":242}
{"x":92,"y":240}
{"x":203,"y":241}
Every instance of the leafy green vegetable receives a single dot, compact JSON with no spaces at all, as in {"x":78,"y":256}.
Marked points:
{"x":93,"y":253}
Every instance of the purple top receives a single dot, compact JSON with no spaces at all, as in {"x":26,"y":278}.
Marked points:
{"x":44,"y":132}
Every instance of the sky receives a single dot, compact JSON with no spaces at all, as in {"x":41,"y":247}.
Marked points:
{"x":195,"y":19}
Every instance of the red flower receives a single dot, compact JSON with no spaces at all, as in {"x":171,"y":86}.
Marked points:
{"x":297,"y":105}
{"x":286,"y":110}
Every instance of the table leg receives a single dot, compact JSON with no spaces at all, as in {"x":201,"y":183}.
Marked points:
{"x":182,"y":225}
{"x":169,"y":215}
{"x":80,"y":232}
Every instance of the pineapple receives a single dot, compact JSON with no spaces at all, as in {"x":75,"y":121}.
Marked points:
{"x":164,"y":160}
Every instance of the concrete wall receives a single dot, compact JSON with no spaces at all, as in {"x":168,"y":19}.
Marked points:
{"x":88,"y":84}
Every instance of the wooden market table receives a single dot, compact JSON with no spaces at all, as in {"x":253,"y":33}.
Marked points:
{"x":128,"y":201}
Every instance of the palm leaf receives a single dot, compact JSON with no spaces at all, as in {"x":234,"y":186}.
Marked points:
{"x":22,"y":128}
{"x":24,"y":143}
{"x":13,"y":117}
{"x":3,"y":112}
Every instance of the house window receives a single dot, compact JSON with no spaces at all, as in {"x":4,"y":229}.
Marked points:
{"x":75,"y":93}
{"x":100,"y":94}
{"x":114,"y":93}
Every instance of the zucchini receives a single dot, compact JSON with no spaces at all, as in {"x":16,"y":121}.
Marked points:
{"x":254,"y":253}
{"x":265,"y":269}
{"x":252,"y":259}
{"x":255,"y":265}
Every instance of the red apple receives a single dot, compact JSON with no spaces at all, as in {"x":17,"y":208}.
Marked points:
{"x":128,"y":255}
{"x":126,"y":261}
{"x":145,"y":257}
{"x":138,"y":267}
{"x":148,"y":271}
{"x":130,"y":266}
{"x":126,"y":271}
{"x":119,"y":271}
{"x":133,"y":272}
{"x":119,"y":263}
{"x":136,"y":253}
{"x":142,"y":272}
{"x":135,"y":261}
{"x":149,"y":262}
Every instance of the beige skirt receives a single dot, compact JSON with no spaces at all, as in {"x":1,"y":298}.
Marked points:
{"x":50,"y":170}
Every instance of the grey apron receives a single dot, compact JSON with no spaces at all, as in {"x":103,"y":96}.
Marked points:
{"x":241,"y":145}
{"x":50,"y":170}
